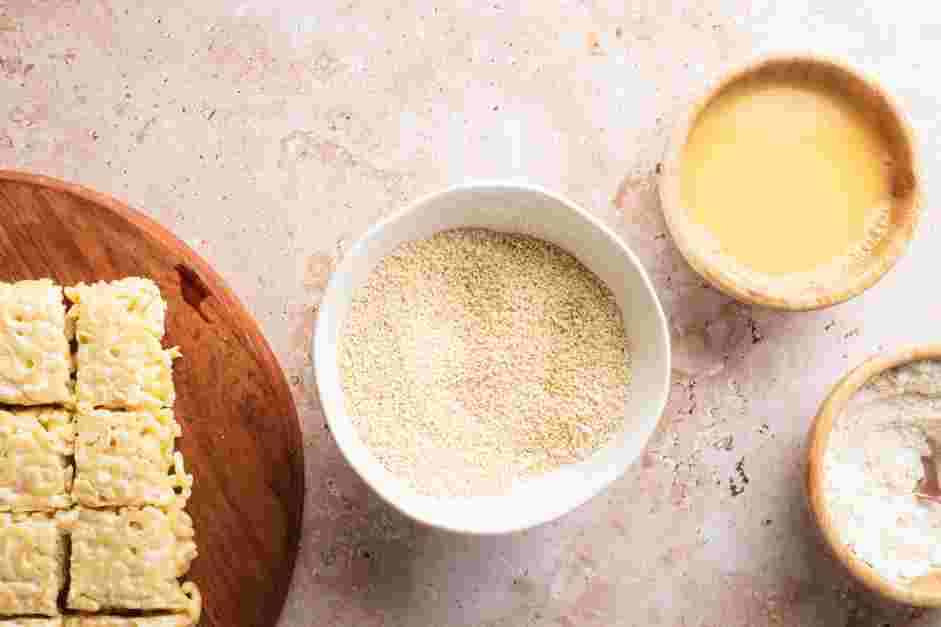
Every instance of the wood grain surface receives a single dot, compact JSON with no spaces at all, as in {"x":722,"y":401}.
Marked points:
{"x":241,"y":437}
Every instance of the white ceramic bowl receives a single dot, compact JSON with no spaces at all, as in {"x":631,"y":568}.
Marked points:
{"x":518,"y":209}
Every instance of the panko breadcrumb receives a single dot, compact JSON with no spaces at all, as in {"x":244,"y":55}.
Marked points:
{"x":473,"y":359}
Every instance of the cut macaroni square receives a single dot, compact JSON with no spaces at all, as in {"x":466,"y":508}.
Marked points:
{"x":127,"y":302}
{"x":121,"y":363}
{"x":166,"y":620}
{"x":127,"y":458}
{"x":35,"y":469}
{"x":130,"y":559}
{"x":31,"y":622}
{"x":35,"y":361}
{"x":130,"y":370}
{"x":32,"y":564}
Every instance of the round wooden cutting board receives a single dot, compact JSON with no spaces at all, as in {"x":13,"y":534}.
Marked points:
{"x":241,"y":438}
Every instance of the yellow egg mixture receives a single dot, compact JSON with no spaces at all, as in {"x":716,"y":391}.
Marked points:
{"x":788,"y":174}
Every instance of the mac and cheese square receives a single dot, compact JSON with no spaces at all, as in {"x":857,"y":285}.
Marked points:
{"x":127,"y":458}
{"x":126,"y":302}
{"x":32,"y":564}
{"x":166,"y":620}
{"x":35,"y":361}
{"x":130,"y":559}
{"x":120,"y":361}
{"x":36,"y":446}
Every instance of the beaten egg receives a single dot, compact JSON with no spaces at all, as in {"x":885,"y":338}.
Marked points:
{"x":788,"y":174}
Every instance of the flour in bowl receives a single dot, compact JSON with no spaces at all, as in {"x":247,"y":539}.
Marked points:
{"x":873,"y":466}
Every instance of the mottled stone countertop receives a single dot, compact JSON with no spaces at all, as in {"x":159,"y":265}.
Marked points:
{"x":268,"y":135}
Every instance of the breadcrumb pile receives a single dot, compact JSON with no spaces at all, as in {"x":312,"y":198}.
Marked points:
{"x":473,"y":359}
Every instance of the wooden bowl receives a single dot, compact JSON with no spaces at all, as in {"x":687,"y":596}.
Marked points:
{"x":241,"y":436}
{"x":924,"y":591}
{"x":813,"y":292}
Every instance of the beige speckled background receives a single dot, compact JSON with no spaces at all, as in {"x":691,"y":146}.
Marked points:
{"x":268,"y":135}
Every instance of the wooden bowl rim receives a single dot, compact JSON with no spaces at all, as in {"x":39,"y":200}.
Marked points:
{"x":925,"y":591}
{"x":716,"y":272}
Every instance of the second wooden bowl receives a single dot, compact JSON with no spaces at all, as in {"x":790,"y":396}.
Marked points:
{"x":924,"y":591}
{"x":813,"y":292}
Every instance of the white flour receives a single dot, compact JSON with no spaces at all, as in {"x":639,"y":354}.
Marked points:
{"x":872,"y":465}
